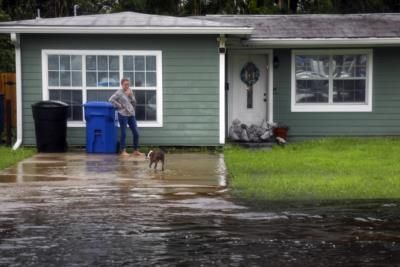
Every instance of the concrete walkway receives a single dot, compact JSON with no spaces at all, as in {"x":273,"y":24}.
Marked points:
{"x":199,"y":172}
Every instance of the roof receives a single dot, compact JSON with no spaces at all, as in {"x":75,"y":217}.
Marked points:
{"x":124,"y":22}
{"x":315,"y":26}
{"x":309,"y":29}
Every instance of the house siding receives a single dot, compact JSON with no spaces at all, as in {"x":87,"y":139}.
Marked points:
{"x":190,"y":66}
{"x":384,"y":120}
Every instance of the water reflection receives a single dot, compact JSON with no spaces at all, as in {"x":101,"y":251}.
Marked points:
{"x":74,"y":209}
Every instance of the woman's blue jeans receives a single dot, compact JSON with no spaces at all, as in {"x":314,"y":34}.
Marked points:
{"x":131,"y":122}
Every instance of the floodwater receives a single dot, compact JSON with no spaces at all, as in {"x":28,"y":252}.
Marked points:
{"x":102,"y":210}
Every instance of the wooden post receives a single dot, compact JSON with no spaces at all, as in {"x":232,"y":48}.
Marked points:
{"x":7,"y":87}
{"x":8,"y":120}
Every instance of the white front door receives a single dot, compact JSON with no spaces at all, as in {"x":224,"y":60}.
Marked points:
{"x":238,"y":98}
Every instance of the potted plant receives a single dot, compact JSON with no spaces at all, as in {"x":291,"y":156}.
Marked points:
{"x":281,"y":131}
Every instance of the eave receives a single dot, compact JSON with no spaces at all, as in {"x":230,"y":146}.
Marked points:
{"x":126,"y":30}
{"x":295,"y":42}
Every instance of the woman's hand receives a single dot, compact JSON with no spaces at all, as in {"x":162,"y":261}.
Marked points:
{"x":129,"y":92}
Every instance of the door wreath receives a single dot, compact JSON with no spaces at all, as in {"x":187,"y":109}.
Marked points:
{"x":249,"y":75}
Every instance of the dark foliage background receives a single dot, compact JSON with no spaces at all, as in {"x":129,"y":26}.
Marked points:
{"x":27,"y":9}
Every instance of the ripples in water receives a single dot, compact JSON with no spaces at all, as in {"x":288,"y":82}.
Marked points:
{"x":131,"y":216}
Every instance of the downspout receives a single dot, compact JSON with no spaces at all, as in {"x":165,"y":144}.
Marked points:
{"x":15,"y":39}
{"x":222,"y":50}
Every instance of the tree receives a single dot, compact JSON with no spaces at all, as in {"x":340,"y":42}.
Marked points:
{"x":368,"y":6}
{"x":194,"y":7}
{"x":317,"y":6}
{"x":6,"y":48}
{"x":345,"y":6}
{"x":20,"y":9}
{"x":95,"y":7}
{"x":262,"y":7}
{"x":130,"y":5}
{"x":164,"y":7}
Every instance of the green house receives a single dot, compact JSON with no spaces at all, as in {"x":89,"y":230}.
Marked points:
{"x":322,"y":75}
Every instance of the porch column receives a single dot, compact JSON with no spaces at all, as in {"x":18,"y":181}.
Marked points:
{"x":222,"y":50}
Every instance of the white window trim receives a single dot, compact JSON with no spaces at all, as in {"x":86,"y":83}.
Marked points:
{"x":84,"y":53}
{"x":333,"y":107}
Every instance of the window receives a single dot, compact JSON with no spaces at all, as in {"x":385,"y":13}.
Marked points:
{"x":146,"y":108}
{"x":65,"y":82}
{"x":349,"y":78}
{"x":102,"y":71}
{"x":73,"y":98}
{"x":75,"y":77}
{"x":141,"y":70}
{"x":102,"y":76}
{"x":332,"y":80}
{"x":142,"y":73}
{"x":65,"y":70}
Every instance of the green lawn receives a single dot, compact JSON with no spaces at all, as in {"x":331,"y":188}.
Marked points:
{"x":326,"y":169}
{"x":9,"y":157}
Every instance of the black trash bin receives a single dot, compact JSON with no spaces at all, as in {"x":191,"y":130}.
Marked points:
{"x":2,"y":109}
{"x":50,"y":125}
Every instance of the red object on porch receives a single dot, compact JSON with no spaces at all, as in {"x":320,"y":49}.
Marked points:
{"x":281,"y":132}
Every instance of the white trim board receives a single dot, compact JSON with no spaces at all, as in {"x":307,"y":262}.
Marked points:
{"x":270,"y":95}
{"x":15,"y":39}
{"x":84,"y":88}
{"x":222,"y":98}
{"x":333,"y":107}
{"x":295,"y":42}
{"x":126,"y":30}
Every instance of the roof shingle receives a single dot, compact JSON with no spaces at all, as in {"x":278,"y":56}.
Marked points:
{"x":122,"y":19}
{"x":315,"y":26}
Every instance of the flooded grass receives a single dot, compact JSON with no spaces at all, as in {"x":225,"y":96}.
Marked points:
{"x":325,"y":169}
{"x":9,"y":157}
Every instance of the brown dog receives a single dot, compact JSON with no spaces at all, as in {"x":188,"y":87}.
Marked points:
{"x":155,"y":157}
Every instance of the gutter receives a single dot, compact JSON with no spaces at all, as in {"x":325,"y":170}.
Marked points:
{"x":125,"y":30}
{"x":290,"y":42}
{"x":16,"y":42}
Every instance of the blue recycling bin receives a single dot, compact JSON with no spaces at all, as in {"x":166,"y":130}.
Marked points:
{"x":101,"y":131}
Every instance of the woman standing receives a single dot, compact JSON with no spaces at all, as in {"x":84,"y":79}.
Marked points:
{"x":125,"y":102}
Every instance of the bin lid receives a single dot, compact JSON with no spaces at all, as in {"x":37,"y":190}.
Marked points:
{"x":50,"y":104}
{"x":102,"y":104}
